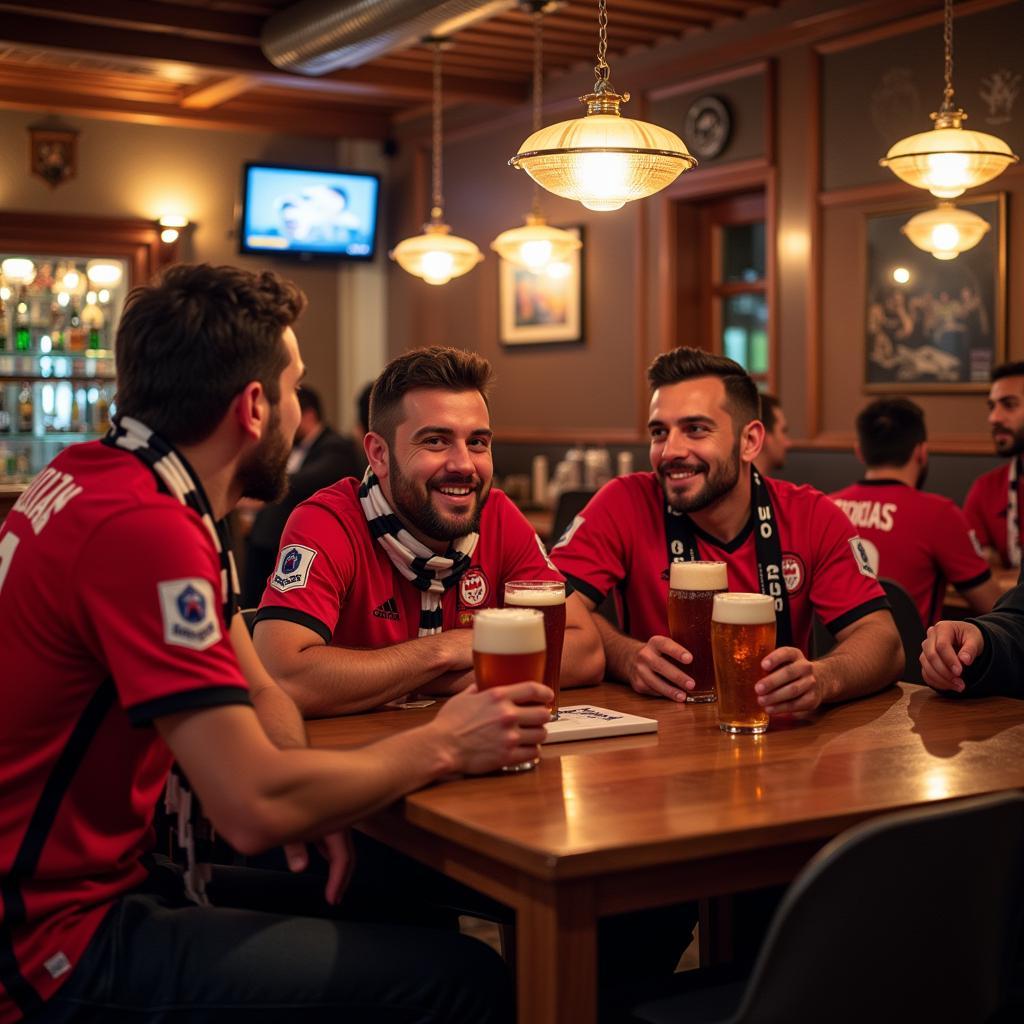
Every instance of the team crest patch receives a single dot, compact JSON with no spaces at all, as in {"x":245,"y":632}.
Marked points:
{"x":793,"y":572}
{"x":189,"y":612}
{"x":865,"y":554}
{"x":293,"y":565}
{"x":473,"y":588}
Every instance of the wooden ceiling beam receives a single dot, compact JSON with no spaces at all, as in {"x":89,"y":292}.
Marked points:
{"x":214,"y":93}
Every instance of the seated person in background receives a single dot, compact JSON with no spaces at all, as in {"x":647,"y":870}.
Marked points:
{"x":320,"y":456}
{"x":123,"y":651}
{"x":377,"y":581}
{"x":776,"y":436}
{"x":705,"y":500}
{"x":993,"y":504}
{"x":918,"y":539}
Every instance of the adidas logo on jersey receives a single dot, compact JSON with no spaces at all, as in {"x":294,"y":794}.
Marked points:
{"x":387,"y":610}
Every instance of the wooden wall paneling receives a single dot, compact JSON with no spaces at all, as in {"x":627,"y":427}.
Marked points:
{"x":815,"y":360}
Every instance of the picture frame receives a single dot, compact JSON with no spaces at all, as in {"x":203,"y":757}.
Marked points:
{"x":934,"y":325}
{"x":545,"y":308}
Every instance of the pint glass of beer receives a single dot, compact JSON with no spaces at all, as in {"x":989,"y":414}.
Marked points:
{"x":548,"y":597}
{"x":508,"y":647}
{"x":692,"y":590}
{"x":742,"y":635}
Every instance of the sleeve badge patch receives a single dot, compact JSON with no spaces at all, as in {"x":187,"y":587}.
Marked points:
{"x":292,"y":569}
{"x":865,"y":554}
{"x":189,"y":612}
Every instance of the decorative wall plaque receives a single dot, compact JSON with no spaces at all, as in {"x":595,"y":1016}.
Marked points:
{"x":53,"y":154}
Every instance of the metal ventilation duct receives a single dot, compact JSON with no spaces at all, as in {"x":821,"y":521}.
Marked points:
{"x":317,"y":36}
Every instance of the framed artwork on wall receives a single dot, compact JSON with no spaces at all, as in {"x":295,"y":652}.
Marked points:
{"x":930,"y":324}
{"x":537,"y":309}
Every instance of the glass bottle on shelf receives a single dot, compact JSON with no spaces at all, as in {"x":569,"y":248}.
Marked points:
{"x":57,"y":327}
{"x":76,"y":333}
{"x":3,"y":324}
{"x":25,"y":409}
{"x":102,"y":412}
{"x":22,"y":331}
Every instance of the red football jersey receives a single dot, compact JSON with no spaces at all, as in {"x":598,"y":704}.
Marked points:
{"x":110,"y":616}
{"x":918,"y":539}
{"x":333,"y":577}
{"x":986,"y":508}
{"x":618,"y":541}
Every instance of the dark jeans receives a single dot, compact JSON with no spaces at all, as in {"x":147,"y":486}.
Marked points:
{"x":155,"y":961}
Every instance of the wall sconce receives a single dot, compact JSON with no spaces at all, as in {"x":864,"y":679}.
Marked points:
{"x":172,"y":227}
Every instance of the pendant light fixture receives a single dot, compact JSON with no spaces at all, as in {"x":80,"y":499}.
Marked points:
{"x":946,"y":231}
{"x":537,"y":245}
{"x":437,"y":255}
{"x":604,"y":160}
{"x":950,"y":158}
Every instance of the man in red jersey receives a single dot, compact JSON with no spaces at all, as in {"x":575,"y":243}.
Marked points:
{"x":776,"y":436}
{"x":993,"y":505}
{"x":705,"y":500}
{"x":918,"y":539}
{"x":377,"y":581}
{"x":123,"y":651}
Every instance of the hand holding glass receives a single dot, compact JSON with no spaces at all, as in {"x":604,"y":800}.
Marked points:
{"x":692,"y":589}
{"x":508,"y":647}
{"x":548,"y":597}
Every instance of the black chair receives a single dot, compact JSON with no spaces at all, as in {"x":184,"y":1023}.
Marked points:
{"x":570,"y":505}
{"x":908,"y":622}
{"x":912,"y":916}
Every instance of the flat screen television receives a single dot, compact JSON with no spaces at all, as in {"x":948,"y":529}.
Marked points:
{"x":309,"y":213}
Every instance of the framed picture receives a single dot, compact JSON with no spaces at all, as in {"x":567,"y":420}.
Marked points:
{"x":931,"y":324}
{"x":535,"y":309}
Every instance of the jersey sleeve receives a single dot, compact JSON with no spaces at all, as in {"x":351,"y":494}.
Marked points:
{"x":523,"y":556}
{"x":843,"y":584}
{"x":956,"y":550}
{"x":592,"y":552}
{"x":313,"y":572}
{"x":161,"y":628}
{"x":974,"y":512}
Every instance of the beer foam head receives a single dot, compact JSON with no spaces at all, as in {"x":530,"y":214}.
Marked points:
{"x":508,"y":631}
{"x":698,"y":576}
{"x":744,"y":609}
{"x":534,"y":593}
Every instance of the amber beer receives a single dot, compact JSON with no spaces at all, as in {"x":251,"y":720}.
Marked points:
{"x":508,"y":647}
{"x":692,"y":589}
{"x":548,"y":597}
{"x":742,"y":635}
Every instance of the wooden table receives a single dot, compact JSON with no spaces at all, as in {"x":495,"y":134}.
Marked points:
{"x":690,"y":812}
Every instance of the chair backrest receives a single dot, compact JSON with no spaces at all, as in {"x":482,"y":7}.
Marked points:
{"x":911,"y":630}
{"x":249,"y":618}
{"x":912,"y":916}
{"x":570,"y":505}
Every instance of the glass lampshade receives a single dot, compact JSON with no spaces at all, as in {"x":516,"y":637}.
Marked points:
{"x":949,"y":159}
{"x":536,"y":244}
{"x":437,"y":255}
{"x":946,"y":231}
{"x":18,"y":270}
{"x":603,"y":160}
{"x":104,"y":273}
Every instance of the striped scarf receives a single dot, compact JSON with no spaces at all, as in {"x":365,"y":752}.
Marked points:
{"x":431,"y":574}
{"x":175,"y":476}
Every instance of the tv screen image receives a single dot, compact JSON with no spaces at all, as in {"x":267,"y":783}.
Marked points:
{"x":307,"y":212}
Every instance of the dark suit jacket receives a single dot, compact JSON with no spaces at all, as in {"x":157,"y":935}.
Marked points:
{"x":330,"y":457}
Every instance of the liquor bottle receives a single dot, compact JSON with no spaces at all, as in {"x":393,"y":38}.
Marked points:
{"x":3,"y":325}
{"x":25,"y":409}
{"x":101,"y":411}
{"x":57,"y":327}
{"x":22,"y":332}
{"x":76,"y":334}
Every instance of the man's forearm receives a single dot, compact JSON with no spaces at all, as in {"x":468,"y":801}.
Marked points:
{"x":280,"y":718}
{"x":869,"y":658}
{"x":619,"y":650}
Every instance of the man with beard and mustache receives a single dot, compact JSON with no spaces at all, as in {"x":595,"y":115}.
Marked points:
{"x":705,"y":501}
{"x":993,"y":505}
{"x":123,"y":651}
{"x":377,"y":581}
{"x":918,"y":539}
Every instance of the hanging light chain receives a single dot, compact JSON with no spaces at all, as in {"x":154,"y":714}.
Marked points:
{"x":947,"y":38}
{"x":601,"y":69}
{"x":437,"y":201}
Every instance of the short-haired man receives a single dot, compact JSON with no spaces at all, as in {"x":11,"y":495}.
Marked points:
{"x":993,"y":505}
{"x":776,"y":436}
{"x":377,"y":581}
{"x":918,"y":539}
{"x":123,"y":651}
{"x":705,"y":500}
{"x":319,"y":457}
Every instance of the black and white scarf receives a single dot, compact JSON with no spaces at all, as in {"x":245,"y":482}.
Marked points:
{"x":682,"y":547}
{"x":430,"y":573}
{"x":176,"y":477}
